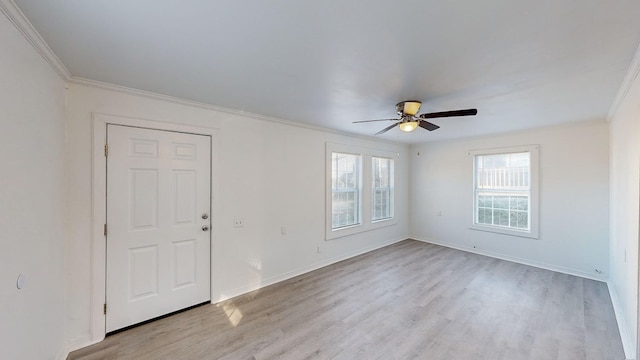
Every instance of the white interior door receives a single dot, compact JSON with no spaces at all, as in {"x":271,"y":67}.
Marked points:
{"x":158,"y":207}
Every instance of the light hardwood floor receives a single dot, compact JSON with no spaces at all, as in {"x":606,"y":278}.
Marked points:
{"x":410,"y":300}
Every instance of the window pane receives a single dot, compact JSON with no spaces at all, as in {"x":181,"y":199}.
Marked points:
{"x":381,"y":188}
{"x":345,"y":180}
{"x":503,"y":171}
{"x":485,"y":216}
{"x":501,"y":202}
{"x":523,"y":203}
{"x":513,"y":219}
{"x":501,"y":217}
{"x":523,"y":220}
{"x":485,"y":200}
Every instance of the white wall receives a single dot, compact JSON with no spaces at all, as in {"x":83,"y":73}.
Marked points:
{"x":574,"y":205}
{"x":32,"y":201}
{"x":271,"y":174}
{"x":625,"y":183}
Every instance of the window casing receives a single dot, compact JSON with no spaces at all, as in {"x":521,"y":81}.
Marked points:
{"x":505,"y":191}
{"x":360,"y":190}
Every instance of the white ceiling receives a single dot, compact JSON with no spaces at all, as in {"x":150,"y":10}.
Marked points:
{"x":522,"y":64}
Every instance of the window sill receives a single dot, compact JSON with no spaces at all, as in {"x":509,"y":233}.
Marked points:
{"x":360,"y":228}
{"x":499,"y":230}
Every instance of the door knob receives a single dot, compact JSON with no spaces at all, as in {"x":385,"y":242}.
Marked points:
{"x":205,"y":228}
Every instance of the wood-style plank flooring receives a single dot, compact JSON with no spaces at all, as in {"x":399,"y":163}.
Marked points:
{"x":410,"y":300}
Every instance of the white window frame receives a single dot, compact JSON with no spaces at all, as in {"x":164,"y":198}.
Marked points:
{"x":366,"y":180}
{"x":534,"y":171}
{"x":389,"y":188}
{"x":358,"y":190}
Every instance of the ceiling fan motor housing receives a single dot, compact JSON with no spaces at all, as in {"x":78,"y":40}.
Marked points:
{"x":408,"y":107}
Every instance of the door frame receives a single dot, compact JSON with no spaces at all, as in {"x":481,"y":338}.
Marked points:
{"x":99,"y":205}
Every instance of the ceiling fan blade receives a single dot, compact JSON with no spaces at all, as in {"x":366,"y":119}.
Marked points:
{"x":466,"y":112}
{"x":387,"y":129}
{"x":427,"y":125}
{"x":363,"y":121}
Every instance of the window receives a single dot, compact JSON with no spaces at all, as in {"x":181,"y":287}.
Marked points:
{"x":381,"y":188}
{"x":505,"y":191}
{"x":345,"y":190}
{"x":360,"y":193}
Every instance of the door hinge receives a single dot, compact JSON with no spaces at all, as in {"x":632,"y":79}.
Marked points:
{"x":106,"y":150}
{"x":104,"y":309}
{"x":105,"y":229}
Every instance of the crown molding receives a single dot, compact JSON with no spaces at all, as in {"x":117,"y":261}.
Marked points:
{"x":180,"y":101}
{"x":13,"y":13}
{"x":156,"y":96}
{"x":632,"y":75}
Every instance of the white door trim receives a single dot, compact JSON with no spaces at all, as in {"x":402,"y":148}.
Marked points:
{"x":98,"y":205}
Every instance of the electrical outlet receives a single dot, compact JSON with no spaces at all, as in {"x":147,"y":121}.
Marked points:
{"x":238,"y":223}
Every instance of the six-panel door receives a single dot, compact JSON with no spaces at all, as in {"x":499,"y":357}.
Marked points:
{"x":158,"y":207}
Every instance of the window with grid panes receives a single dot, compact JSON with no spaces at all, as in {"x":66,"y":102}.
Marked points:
{"x":504,"y":196}
{"x":381,"y":190}
{"x":345,"y":190}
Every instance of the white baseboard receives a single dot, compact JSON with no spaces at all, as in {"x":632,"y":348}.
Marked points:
{"x":62,"y":355}
{"x":628,"y":343}
{"x":303,"y":270}
{"x":87,"y":340}
{"x":515,"y":259}
{"x":77,"y":343}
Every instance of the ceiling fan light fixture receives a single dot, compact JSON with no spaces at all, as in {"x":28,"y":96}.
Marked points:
{"x":408,"y":126}
{"x":408,"y":120}
{"x":409,"y":107}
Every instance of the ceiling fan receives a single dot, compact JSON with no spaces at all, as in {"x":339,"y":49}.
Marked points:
{"x":409,"y":121}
